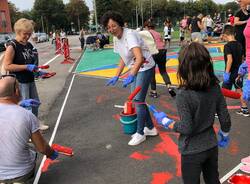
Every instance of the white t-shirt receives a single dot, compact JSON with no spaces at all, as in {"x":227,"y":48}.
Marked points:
{"x":167,"y":32}
{"x":131,"y":39}
{"x":16,"y":125}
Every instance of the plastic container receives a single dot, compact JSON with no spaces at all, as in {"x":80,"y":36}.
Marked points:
{"x":129,"y":122}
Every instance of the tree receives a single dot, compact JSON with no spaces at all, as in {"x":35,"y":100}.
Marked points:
{"x":78,"y":12}
{"x":48,"y":14}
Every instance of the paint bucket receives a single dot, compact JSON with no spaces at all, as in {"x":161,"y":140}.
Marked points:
{"x":129,"y":122}
{"x":239,"y":179}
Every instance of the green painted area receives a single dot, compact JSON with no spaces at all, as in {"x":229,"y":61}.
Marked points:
{"x":216,"y":54}
{"x":219,"y":65}
{"x":94,"y":59}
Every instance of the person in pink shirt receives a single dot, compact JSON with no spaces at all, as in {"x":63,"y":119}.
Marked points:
{"x":160,"y":60}
{"x":246,"y":88}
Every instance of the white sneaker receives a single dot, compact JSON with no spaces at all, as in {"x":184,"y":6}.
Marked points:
{"x":152,"y":132}
{"x":43,"y":126}
{"x":137,"y":139}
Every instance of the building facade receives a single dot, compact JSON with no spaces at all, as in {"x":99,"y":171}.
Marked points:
{"x":5,"y":23}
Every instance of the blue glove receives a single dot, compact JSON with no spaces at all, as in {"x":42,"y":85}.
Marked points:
{"x":162,"y":119}
{"x":112,"y":81}
{"x":223,"y":139}
{"x":226,"y":77}
{"x":31,"y":67}
{"x":246,"y":91}
{"x":243,"y":70}
{"x":128,"y":80}
{"x":29,"y":103}
{"x":54,"y":155}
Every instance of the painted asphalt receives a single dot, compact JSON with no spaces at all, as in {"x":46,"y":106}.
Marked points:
{"x":90,"y":125}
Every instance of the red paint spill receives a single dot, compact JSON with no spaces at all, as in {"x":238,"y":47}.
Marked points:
{"x":233,"y":107}
{"x":168,"y":146}
{"x":176,"y":118}
{"x":233,"y":148}
{"x":161,"y":178}
{"x":48,"y":162}
{"x":139,"y":156}
{"x":117,"y":117}
{"x":100,"y":99}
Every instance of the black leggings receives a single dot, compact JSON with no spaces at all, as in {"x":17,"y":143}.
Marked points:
{"x":160,"y":60}
{"x":205,"y":162}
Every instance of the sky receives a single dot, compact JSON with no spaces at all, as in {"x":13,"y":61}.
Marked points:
{"x":28,"y":4}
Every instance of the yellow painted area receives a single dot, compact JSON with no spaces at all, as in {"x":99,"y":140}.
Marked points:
{"x":172,"y":76}
{"x":103,"y":73}
{"x":172,"y":62}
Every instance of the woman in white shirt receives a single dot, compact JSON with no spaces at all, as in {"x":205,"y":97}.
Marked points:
{"x":135,"y":55}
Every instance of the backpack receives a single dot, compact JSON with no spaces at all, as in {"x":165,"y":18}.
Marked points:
{"x":149,"y":41}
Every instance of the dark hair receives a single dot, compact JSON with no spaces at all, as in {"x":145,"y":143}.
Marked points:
{"x":195,"y":69}
{"x":115,"y":16}
{"x":149,"y":24}
{"x":228,"y":30}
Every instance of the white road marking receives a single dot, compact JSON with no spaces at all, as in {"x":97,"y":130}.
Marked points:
{"x":52,"y":59}
{"x":230,"y":173}
{"x":39,"y":172}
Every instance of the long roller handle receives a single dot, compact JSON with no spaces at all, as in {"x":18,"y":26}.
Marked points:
{"x":134,"y":93}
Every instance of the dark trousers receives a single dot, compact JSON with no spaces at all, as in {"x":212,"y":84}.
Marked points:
{"x":205,"y":162}
{"x":82,"y":40}
{"x":160,"y":60}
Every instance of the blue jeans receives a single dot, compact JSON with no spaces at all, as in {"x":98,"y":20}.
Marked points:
{"x":29,"y":91}
{"x":143,"y":79}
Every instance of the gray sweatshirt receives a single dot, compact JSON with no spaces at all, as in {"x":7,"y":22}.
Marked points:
{"x":196,"y":110}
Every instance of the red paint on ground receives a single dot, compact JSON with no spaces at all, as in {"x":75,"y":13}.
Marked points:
{"x":233,"y":148}
{"x":100,"y":99}
{"x":168,"y":106}
{"x":169,"y":146}
{"x":176,"y":118}
{"x":117,"y":117}
{"x":233,"y":107}
{"x":139,"y":156}
{"x":161,"y":178}
{"x":48,"y":162}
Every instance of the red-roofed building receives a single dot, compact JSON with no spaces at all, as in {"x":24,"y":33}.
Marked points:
{"x":5,"y":23}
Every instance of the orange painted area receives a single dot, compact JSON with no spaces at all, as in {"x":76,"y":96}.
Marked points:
{"x":48,"y":162}
{"x":161,"y":178}
{"x":139,"y":156}
{"x":234,"y":148}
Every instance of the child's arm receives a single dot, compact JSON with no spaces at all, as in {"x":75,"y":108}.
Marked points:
{"x":224,"y":117}
{"x":229,"y":63}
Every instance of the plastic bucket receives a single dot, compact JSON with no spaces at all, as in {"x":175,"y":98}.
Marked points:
{"x":129,"y":122}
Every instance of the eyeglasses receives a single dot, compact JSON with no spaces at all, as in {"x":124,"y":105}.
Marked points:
{"x":10,"y":75}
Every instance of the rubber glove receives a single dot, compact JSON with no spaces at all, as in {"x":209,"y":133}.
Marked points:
{"x":112,"y":81}
{"x":31,"y":67}
{"x":223,"y":139}
{"x":243,"y":70}
{"x":246,"y":91}
{"x":162,"y":119}
{"x":54,"y":155}
{"x":226,"y":77}
{"x":29,"y":103}
{"x":128,"y":80}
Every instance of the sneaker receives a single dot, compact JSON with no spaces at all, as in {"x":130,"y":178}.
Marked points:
{"x":245,"y":168}
{"x":246,"y":160}
{"x":153,"y":94}
{"x":43,"y":126}
{"x":244,"y":112}
{"x":148,"y":132}
{"x":216,"y":115}
{"x":171,"y":92}
{"x":137,"y":139}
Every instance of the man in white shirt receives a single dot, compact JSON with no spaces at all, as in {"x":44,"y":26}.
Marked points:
{"x":18,"y":125}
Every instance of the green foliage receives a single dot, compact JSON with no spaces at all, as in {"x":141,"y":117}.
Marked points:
{"x":78,"y":13}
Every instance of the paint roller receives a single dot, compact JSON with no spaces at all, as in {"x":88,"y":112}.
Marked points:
{"x":128,"y":106}
{"x":230,"y":94}
{"x":63,"y":149}
{"x":43,"y":67}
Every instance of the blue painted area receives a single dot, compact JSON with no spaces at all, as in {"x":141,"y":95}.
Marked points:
{"x":100,"y":68}
{"x":172,"y":56}
{"x":213,"y":49}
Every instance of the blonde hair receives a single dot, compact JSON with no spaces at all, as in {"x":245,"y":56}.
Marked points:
{"x":24,"y":24}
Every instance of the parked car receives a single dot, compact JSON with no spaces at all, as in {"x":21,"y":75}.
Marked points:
{"x":40,"y":37}
{"x":4,"y":38}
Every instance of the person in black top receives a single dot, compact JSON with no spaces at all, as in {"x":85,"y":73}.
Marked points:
{"x":233,"y":55}
{"x":20,"y":60}
{"x":196,"y":27}
{"x":240,"y":22}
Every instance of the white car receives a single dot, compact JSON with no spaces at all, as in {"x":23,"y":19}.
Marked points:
{"x":40,"y":37}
